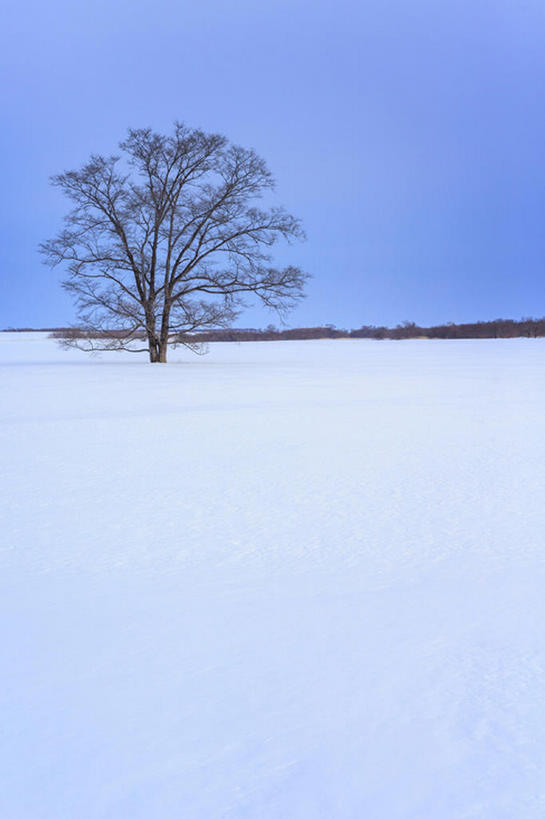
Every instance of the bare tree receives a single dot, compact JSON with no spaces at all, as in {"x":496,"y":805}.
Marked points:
{"x":168,"y":240}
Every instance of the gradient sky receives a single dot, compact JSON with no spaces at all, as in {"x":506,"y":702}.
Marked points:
{"x":408,"y":136}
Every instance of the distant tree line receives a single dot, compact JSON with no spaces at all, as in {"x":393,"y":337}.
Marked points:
{"x":498,"y":328}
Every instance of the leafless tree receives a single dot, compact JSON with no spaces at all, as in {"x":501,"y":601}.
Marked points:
{"x":168,"y":239}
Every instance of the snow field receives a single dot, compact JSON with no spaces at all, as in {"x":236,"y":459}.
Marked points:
{"x":287,"y":579}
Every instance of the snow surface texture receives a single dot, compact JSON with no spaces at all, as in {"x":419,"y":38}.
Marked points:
{"x":285,"y":580}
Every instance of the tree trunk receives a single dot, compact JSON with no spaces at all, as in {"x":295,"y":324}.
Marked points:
{"x":157,"y":352}
{"x":163,"y":340}
{"x":157,"y":346}
{"x":154,"y":350}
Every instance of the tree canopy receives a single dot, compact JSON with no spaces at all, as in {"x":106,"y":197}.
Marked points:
{"x":167,"y":238}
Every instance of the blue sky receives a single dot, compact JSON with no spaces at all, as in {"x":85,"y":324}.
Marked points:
{"x":408,"y":136}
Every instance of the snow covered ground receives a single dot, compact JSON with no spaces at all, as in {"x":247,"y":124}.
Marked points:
{"x":288,"y":580}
